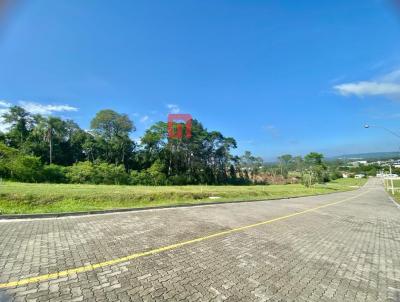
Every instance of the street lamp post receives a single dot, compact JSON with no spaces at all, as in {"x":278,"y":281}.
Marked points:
{"x":393,"y":133}
{"x":384,"y":128}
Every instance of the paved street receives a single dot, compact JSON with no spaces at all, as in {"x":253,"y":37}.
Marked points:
{"x":346,"y":249}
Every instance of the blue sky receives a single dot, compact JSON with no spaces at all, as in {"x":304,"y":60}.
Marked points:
{"x":279,"y":76}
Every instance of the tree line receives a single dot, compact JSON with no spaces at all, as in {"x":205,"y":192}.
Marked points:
{"x":39,"y":148}
{"x":46,"y":148}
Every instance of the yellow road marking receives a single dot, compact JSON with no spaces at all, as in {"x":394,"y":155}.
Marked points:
{"x":91,"y":267}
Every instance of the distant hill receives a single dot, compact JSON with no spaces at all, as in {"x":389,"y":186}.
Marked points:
{"x":368,"y":156}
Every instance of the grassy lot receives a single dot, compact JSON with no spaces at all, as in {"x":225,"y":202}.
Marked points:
{"x":18,"y":198}
{"x":396,"y":184}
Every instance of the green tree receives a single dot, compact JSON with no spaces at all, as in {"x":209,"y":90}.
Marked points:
{"x":298,"y":163}
{"x":284,"y":162}
{"x":316,"y":169}
{"x":21,"y":124}
{"x":313,"y":158}
{"x":250,"y":164}
{"x":6,"y":155}
{"x":111,"y":131}
{"x":26,"y":168}
{"x":203,"y":158}
{"x":53,"y":129}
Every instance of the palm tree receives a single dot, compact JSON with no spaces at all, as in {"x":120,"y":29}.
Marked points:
{"x":51,"y":129}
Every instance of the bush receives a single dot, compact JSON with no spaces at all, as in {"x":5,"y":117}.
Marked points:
{"x":99,"y":173}
{"x":4,"y":169}
{"x":54,"y":174}
{"x":7,"y":152}
{"x":156,"y":174}
{"x":110,"y":174}
{"x":308,"y":179}
{"x":134,"y":177}
{"x":140,"y":178}
{"x":335,"y":175}
{"x":6,"y":155}
{"x":148,"y":179}
{"x":151,"y":176}
{"x":178,"y":180}
{"x":26,"y":168}
{"x":81,"y":172}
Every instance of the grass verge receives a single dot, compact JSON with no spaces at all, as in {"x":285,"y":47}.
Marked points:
{"x":396,"y":184}
{"x":22,"y":198}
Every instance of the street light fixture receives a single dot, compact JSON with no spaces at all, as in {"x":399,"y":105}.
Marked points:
{"x":393,"y":133}
{"x":384,"y":128}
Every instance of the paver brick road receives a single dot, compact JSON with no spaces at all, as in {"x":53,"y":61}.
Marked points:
{"x":347,"y":251}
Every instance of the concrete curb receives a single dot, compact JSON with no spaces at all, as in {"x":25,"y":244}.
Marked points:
{"x":124,"y":210}
{"x":394,"y":201}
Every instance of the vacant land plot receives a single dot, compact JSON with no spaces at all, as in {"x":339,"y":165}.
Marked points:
{"x":18,"y":198}
{"x":396,"y":184}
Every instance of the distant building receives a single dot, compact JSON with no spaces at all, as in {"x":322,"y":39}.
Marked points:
{"x":359,"y":162}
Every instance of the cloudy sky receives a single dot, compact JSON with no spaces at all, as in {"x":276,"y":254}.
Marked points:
{"x":279,"y":76}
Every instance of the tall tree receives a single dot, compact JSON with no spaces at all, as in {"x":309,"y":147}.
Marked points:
{"x":21,"y":124}
{"x":111,"y":130}
{"x":313,"y":158}
{"x":284,"y":162}
{"x":53,"y":132}
{"x":298,"y":163}
{"x":203,"y":158}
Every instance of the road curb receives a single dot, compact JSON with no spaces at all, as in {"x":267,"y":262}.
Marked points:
{"x":124,"y":210}
{"x":394,"y":201}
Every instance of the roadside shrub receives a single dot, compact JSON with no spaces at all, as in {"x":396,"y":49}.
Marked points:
{"x":81,"y":172}
{"x":26,"y":168}
{"x":153,"y":176}
{"x":148,"y":178}
{"x":335,"y":175}
{"x":6,"y":155}
{"x":110,"y":174}
{"x":54,"y":174}
{"x":372,"y":172}
{"x":141,"y":178}
{"x":178,"y":180}
{"x":134,"y":177}
{"x":4,"y":169}
{"x":99,"y":173}
{"x":156,"y":174}
{"x":308,"y":179}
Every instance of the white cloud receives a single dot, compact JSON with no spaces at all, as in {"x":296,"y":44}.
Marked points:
{"x":393,"y":76}
{"x":137,"y":140}
{"x":369,"y":89}
{"x":32,"y":107}
{"x":37,"y":108}
{"x":144,"y":119}
{"x":387,"y":85}
{"x":173,"y":108}
{"x":3,"y":126}
{"x":5,"y":104}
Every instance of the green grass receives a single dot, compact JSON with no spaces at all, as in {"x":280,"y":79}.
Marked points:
{"x":21,"y":198}
{"x":396,"y":184}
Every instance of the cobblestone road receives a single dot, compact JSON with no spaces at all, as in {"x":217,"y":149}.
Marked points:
{"x":342,"y":251}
